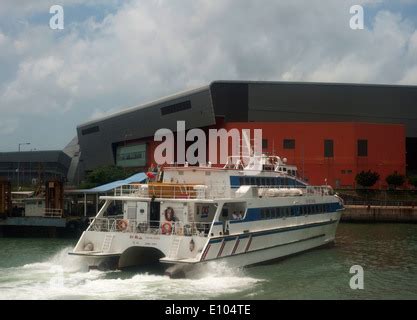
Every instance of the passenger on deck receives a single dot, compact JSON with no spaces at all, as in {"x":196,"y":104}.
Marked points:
{"x":235,"y":216}
{"x":240,"y":215}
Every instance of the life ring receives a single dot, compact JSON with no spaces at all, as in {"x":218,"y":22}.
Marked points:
{"x":122,"y":225}
{"x":169,"y":214}
{"x":166,"y":228}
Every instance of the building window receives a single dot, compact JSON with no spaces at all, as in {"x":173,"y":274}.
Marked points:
{"x":264,"y":143}
{"x":362,"y":148}
{"x":289,"y":144}
{"x":186,"y":105}
{"x":90,"y":130}
{"x":131,"y":156}
{"x":328,"y":148}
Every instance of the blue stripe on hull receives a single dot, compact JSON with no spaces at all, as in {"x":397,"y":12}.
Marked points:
{"x":254,"y":214}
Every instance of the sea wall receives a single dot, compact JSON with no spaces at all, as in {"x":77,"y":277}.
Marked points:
{"x":362,"y":213}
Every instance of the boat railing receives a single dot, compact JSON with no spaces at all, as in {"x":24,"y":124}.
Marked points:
{"x":178,"y":228}
{"x":174,"y":191}
{"x":189,"y":191}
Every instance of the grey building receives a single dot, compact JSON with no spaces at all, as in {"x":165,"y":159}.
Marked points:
{"x":30,"y":167}
{"x":122,"y":138}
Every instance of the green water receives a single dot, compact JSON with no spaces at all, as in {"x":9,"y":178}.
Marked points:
{"x":41,"y":269}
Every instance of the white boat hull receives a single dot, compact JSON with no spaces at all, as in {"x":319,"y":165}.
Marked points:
{"x":282,"y":244}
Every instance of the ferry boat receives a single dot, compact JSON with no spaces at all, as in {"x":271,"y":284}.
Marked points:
{"x":188,"y":216}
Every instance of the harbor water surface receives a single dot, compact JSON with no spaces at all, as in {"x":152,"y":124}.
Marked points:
{"x":42,"y":269}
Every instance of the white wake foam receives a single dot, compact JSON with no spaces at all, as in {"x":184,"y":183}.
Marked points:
{"x":66,"y":277}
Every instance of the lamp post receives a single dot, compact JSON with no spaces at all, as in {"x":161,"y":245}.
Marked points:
{"x":18,"y":165}
{"x":23,"y":144}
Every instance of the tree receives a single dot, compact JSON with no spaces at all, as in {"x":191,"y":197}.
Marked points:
{"x":105,"y":174}
{"x":367,"y":178}
{"x":413,"y":181}
{"x":395,"y":180}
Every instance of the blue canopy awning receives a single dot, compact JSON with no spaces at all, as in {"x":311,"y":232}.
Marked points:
{"x":136,"y":178}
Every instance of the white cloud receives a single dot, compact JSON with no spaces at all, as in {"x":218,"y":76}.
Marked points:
{"x":3,"y":38}
{"x":148,"y":49}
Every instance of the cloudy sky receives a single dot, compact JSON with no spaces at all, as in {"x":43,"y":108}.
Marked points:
{"x":114,"y":54}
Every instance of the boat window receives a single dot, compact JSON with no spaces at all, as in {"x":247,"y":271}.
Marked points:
{"x":267,"y":213}
{"x":241,"y":181}
{"x":247,"y":181}
{"x":258,"y":181}
{"x":225,"y":212}
{"x":263,"y":181}
{"x":252,"y":181}
{"x":262,"y":213}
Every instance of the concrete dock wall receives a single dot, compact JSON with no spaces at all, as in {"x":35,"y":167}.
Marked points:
{"x":361,"y":213}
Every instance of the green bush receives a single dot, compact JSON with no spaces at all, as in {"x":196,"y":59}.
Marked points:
{"x":413,"y":181}
{"x":395,"y":180}
{"x":105,"y":174}
{"x":367,"y":178}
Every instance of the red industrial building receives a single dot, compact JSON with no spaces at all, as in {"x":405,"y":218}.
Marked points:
{"x":325,"y":151}
{"x":330,"y":132}
{"x":335,"y":152}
